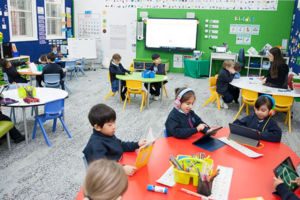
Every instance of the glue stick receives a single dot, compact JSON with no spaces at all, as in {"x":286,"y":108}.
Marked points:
{"x":155,"y":188}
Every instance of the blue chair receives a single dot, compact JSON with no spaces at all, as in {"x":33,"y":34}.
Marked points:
{"x":85,"y":162}
{"x":165,"y":133}
{"x":81,"y":67}
{"x":66,"y":84}
{"x":53,"y":110}
{"x":52,"y":80}
{"x":71,"y":67}
{"x":241,"y":57}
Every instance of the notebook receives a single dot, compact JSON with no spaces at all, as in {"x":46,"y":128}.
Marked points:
{"x":145,"y":151}
{"x":244,"y":135}
{"x":287,"y":172}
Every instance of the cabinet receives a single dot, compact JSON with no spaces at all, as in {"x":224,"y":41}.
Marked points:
{"x":140,"y":64}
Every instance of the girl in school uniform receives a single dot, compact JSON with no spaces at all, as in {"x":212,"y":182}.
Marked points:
{"x":105,"y":180}
{"x":262,"y":120}
{"x":182,"y":121}
{"x":115,"y":68}
{"x":278,"y":72}
{"x":10,"y":68}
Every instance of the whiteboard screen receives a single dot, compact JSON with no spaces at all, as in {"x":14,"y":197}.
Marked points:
{"x":82,"y":48}
{"x":172,"y":34}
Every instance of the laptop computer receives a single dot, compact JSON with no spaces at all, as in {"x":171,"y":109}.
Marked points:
{"x":244,"y":135}
{"x":287,"y":172}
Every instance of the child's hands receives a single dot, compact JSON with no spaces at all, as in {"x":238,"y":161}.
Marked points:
{"x":64,"y":70}
{"x":200,"y":127}
{"x":297,"y":181}
{"x":27,"y":62}
{"x":264,"y":81}
{"x":261,"y":78}
{"x":129,"y":170}
{"x":277,"y":181}
{"x":142,"y":142}
{"x":126,"y":73}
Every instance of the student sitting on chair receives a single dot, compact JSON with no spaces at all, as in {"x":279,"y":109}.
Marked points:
{"x":182,"y":121}
{"x":283,"y":191}
{"x":103,"y":143}
{"x":115,"y":68}
{"x":41,"y":61}
{"x":13,"y":133}
{"x":278,"y":72}
{"x":238,"y":68}
{"x":53,"y":68}
{"x":262,"y":120}
{"x":105,"y":180}
{"x":224,"y":88}
{"x":158,"y":68}
{"x":10,"y":68}
{"x":54,"y":49}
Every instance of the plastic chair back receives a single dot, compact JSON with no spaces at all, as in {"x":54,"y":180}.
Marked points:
{"x":54,"y":107}
{"x":249,"y":95}
{"x":52,"y":80}
{"x":283,"y":101}
{"x":82,"y":62}
{"x":241,"y":57}
{"x":212,"y":82}
{"x":134,"y":85}
{"x":70,"y":65}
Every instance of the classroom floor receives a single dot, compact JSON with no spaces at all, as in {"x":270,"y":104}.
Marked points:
{"x":36,"y":171}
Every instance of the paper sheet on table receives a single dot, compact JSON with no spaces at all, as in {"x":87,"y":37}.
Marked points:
{"x":167,"y":178}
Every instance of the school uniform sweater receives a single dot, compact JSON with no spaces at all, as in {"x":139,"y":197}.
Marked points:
{"x":12,"y":73}
{"x":284,"y":193}
{"x":53,"y":68}
{"x":224,"y":78}
{"x":109,"y":147}
{"x":271,"y":133}
{"x":278,"y":82}
{"x":159,"y":69}
{"x":178,"y":124}
{"x":116,"y":69}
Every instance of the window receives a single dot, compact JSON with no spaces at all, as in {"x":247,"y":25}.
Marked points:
{"x":22,"y":20}
{"x":54,"y":11}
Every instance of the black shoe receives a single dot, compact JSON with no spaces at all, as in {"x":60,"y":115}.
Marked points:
{"x":19,"y":139}
{"x":236,"y":101}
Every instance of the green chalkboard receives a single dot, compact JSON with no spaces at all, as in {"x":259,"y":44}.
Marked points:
{"x":274,"y":26}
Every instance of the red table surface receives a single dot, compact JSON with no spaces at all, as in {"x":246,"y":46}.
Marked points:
{"x":252,"y":177}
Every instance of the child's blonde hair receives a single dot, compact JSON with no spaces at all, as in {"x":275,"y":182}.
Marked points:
{"x":105,"y":180}
{"x":116,"y":56}
{"x":228,"y":63}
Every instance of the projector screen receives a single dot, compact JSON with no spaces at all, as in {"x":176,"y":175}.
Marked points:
{"x":171,"y":34}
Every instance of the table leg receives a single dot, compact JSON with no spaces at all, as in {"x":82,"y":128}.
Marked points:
{"x":30,"y":78}
{"x":148,"y":96}
{"x":25,"y":125}
{"x":210,"y":64}
{"x":36,"y":110}
{"x":120,"y":89}
{"x":161,"y":91}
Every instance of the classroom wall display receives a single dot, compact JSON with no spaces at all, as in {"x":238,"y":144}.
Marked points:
{"x":195,"y":4}
{"x":294,"y":43}
{"x":89,"y":25}
{"x":82,"y":48}
{"x":265,"y":24}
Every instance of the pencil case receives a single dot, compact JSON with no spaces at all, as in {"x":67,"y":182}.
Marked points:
{"x":22,"y":92}
{"x":148,"y":74}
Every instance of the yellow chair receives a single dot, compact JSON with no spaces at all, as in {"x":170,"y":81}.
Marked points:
{"x":284,"y":104}
{"x":131,"y":67}
{"x":110,"y":92}
{"x":249,"y":97}
{"x":214,"y":95}
{"x":165,"y":89}
{"x":135,"y":87}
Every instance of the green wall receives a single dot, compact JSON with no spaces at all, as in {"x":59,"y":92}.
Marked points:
{"x":274,"y":26}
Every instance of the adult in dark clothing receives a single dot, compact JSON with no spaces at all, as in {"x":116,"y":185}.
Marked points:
{"x":283,"y":191}
{"x":41,"y":61}
{"x":10,"y":68}
{"x":53,"y":68}
{"x":278,"y":72}
{"x":115,"y":68}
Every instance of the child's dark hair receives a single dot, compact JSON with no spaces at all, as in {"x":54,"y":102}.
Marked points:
{"x":264,"y":101}
{"x":43,"y":57}
{"x":155,"y":56}
{"x":51,"y":56}
{"x":3,"y":62}
{"x":116,"y":56}
{"x":53,"y":46}
{"x":101,"y":114}
{"x":186,"y":95}
{"x":237,"y":67}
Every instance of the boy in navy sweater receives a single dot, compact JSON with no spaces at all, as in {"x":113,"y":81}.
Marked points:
{"x":103,"y":143}
{"x":10,"y":68}
{"x":182,"y":121}
{"x":261,"y":120}
{"x":283,"y":191}
{"x":227,"y":91}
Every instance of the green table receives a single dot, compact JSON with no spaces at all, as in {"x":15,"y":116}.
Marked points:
{"x":196,"y":68}
{"x":138,"y":77}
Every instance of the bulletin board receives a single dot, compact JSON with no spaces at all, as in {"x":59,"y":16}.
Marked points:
{"x":82,"y":48}
{"x":219,"y":22}
{"x":294,"y":44}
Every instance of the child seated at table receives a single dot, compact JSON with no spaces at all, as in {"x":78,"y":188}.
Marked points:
{"x":283,"y":191}
{"x":182,"y":121}
{"x":115,"y":68}
{"x":103,"y":143}
{"x":238,"y":68}
{"x":158,"y":68}
{"x":10,"y":68}
{"x":41,"y":61}
{"x":54,"y":49}
{"x":224,"y":88}
{"x":53,"y":68}
{"x":262,"y":120}
{"x":105,"y":180}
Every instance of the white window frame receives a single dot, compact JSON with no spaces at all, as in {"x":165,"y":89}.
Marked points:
{"x":34,"y":25}
{"x":63,"y":34}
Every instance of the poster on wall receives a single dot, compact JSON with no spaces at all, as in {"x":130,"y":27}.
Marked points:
{"x":177,"y":61}
{"x":42,"y":29}
{"x":89,"y":25}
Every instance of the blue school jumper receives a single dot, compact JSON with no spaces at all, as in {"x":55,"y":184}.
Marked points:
{"x":284,"y":192}
{"x":109,"y":147}
{"x":271,"y":132}
{"x":114,"y":70}
{"x":181,"y":125}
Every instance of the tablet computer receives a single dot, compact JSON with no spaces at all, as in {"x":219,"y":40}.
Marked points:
{"x":244,"y":135}
{"x":208,"y":134}
{"x":287,"y":172}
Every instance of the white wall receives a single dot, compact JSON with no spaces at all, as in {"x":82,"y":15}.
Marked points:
{"x":115,"y":17}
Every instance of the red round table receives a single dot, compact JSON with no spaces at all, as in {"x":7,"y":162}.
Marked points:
{"x":251,"y":177}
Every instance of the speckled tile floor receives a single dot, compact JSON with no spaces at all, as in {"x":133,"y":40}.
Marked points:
{"x":36,"y":171}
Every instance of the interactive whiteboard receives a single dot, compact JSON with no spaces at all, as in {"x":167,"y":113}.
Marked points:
{"x":82,"y":48}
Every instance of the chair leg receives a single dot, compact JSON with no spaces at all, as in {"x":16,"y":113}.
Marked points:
{"x":63,"y":123}
{"x":108,"y":95}
{"x":8,"y":141}
{"x":165,"y":89}
{"x":142,"y":104}
{"x":54,"y":125}
{"x":218,"y":102}
{"x":13,"y":114}
{"x":68,"y":89}
{"x":239,"y":111}
{"x":247,"y":109}
{"x":44,"y":132}
{"x":113,"y":94}
{"x":125,"y":101}
{"x":290,"y":123}
{"x":286,"y":118}
{"x":208,"y":100}
{"x":82,"y":71}
{"x":34,"y":128}
{"x":129,"y":99}
{"x":71,"y":73}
